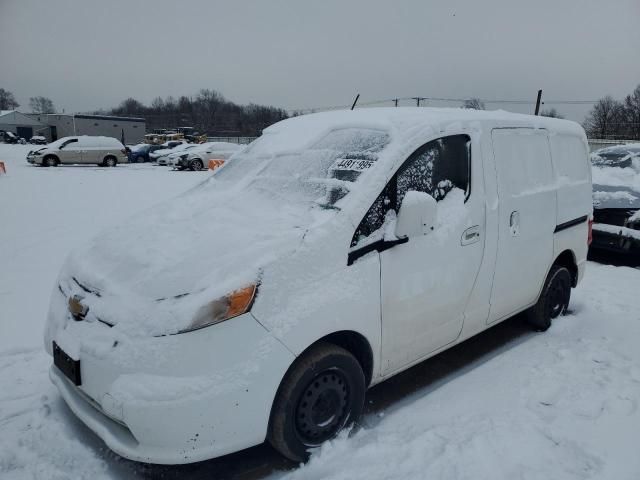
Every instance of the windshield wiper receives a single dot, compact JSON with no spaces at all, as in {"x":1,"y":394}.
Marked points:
{"x":327,"y":206}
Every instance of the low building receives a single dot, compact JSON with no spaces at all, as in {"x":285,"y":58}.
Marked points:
{"x":129,"y":129}
{"x":25,"y":126}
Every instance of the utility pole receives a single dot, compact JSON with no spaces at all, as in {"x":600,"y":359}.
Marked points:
{"x":417,"y":99}
{"x":538,"y":102}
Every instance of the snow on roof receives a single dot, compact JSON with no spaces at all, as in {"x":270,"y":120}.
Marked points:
{"x":404,"y":120}
{"x":6,"y":112}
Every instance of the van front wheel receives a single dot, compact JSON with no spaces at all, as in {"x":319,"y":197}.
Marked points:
{"x":109,"y":162}
{"x":553,"y":301}
{"x":320,"y":395}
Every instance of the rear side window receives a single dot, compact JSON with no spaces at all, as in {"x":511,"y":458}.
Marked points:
{"x":570,"y":157}
{"x":435,"y":168}
{"x":523,"y":159}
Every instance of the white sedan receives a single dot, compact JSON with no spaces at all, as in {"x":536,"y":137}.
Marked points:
{"x":198,"y":158}
{"x":162,"y":157}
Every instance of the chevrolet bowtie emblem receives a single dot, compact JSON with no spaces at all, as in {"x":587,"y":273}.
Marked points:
{"x":76,"y":308}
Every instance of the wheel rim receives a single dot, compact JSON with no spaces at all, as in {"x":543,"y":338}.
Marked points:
{"x":557,"y":298}
{"x":323,"y":408}
{"x":197,"y":165}
{"x":110,"y":162}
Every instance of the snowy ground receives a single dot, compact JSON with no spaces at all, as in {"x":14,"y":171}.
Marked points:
{"x":507,"y":404}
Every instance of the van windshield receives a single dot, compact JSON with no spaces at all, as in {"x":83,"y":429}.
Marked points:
{"x":322,"y":173}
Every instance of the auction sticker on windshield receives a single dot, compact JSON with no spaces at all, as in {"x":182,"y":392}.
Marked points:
{"x":358,"y":165}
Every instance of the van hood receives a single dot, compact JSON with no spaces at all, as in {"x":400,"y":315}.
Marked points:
{"x":151,"y":274}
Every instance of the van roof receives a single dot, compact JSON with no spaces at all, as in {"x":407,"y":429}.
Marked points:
{"x":407,"y":121}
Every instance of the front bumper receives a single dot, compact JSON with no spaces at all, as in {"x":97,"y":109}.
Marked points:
{"x":175,"y":399}
{"x":616,"y":239}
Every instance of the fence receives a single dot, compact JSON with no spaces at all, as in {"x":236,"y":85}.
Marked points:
{"x":596,"y":143}
{"x":238,"y":140}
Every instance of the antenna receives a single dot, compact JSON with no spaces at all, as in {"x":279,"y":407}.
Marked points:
{"x":355,"y":101}
{"x":538,"y":102}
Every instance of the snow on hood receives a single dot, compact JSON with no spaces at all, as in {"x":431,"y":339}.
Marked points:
{"x":156,"y":270}
{"x":617,"y":187}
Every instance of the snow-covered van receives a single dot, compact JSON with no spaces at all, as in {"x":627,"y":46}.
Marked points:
{"x":84,"y":149}
{"x":340,"y":249}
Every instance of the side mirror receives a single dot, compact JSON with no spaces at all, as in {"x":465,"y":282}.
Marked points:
{"x":417,"y":216}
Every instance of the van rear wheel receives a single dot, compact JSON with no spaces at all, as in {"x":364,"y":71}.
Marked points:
{"x":109,"y":161}
{"x":553,"y":301}
{"x":322,"y":393}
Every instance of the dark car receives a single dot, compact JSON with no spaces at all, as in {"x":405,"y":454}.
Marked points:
{"x":616,"y":199}
{"x":8,"y":137}
{"x":140,"y":153}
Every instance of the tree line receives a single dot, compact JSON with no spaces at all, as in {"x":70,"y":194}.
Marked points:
{"x":615,"y":119}
{"x":208,"y":112}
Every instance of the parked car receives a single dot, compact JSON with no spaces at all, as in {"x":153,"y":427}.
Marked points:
{"x":616,"y":156}
{"x":84,"y":149}
{"x":38,"y":140}
{"x":341,"y":249}
{"x":164,"y":159}
{"x":8,"y":137}
{"x":168,"y":147}
{"x":198,"y":158}
{"x":616,"y":199}
{"x":140,"y":153}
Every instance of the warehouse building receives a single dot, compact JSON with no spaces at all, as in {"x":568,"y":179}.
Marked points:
{"x":22,"y":125}
{"x":125,"y":129}
{"x":53,"y":126}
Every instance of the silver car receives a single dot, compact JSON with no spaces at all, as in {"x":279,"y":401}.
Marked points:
{"x":105,"y":151}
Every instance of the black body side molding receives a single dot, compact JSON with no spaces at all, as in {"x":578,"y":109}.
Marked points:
{"x":571,"y":223}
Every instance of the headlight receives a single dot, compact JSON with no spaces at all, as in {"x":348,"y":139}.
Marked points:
{"x":231,"y":305}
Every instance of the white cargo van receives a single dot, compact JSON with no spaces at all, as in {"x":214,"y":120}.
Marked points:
{"x":344,"y":248}
{"x":84,"y":149}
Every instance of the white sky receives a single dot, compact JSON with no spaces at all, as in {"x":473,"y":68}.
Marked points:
{"x":92,"y":54}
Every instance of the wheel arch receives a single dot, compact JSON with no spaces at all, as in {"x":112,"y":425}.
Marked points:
{"x":353,"y":342}
{"x":567,"y":259}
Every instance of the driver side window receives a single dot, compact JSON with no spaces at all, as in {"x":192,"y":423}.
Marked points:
{"x":68,"y":143}
{"x":435,"y":168}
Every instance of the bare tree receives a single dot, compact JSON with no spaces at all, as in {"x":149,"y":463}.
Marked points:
{"x":473,"y":104}
{"x":603,"y":121}
{"x":208,"y":103}
{"x":41,"y":105}
{"x":551,"y":112}
{"x":130,"y":106}
{"x":631,"y":114}
{"x":7,"y":100}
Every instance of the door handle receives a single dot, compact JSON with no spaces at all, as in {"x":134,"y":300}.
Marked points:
{"x":470,"y":235}
{"x":514,"y":223}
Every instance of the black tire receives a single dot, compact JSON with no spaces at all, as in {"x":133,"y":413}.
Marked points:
{"x":553,"y":301}
{"x":196,"y":165}
{"x":50,"y":161}
{"x":322,"y":393}
{"x":109,"y":161}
